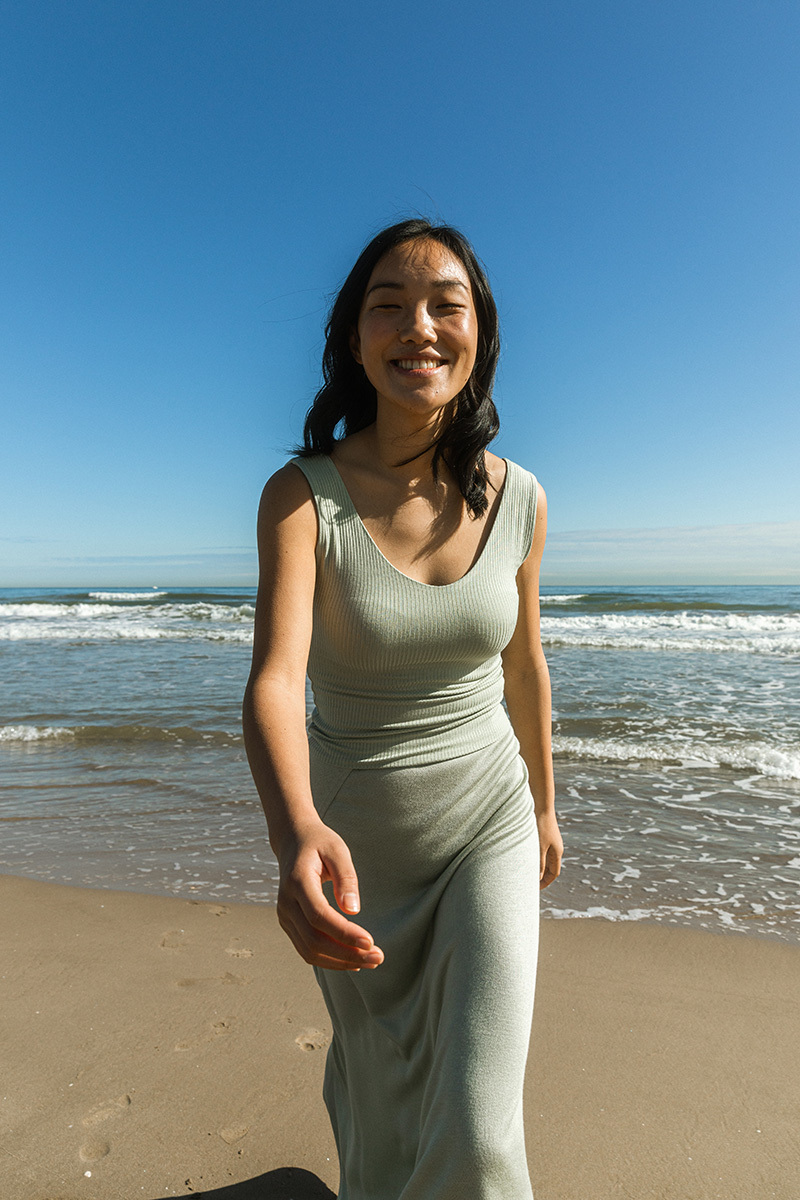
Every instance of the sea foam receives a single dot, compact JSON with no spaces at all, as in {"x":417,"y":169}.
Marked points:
{"x":765,"y":633}
{"x":771,"y":761}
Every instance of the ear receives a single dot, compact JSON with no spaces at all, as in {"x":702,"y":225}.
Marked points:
{"x":355,"y":345}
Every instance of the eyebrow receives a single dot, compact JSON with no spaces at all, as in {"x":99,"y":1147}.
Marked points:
{"x":398,"y":287}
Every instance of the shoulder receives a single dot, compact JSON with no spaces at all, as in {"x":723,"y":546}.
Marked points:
{"x":519,"y":479}
{"x":495,"y":469}
{"x":287,"y":501}
{"x":526,"y":504}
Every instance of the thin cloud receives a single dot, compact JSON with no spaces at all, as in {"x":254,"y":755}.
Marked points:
{"x":767,"y":552}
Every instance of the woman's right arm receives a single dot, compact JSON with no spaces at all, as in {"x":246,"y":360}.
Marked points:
{"x":274,"y":722}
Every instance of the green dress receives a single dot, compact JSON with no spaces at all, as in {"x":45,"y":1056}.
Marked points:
{"x":415,"y":764}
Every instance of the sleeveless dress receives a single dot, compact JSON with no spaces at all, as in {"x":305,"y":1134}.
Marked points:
{"x":415,"y":764}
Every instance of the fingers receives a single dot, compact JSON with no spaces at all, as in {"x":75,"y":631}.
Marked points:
{"x":323,"y":936}
{"x":345,"y":882}
{"x":549,"y":865}
{"x":321,"y":950}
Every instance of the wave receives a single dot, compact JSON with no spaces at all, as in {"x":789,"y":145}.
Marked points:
{"x":33,"y":733}
{"x":202,"y":610}
{"x":97,"y":734}
{"x":775,"y":762}
{"x":127,"y":595}
{"x":754,"y":757}
{"x":704,"y":915}
{"x":99,"y":621}
{"x":146,"y":616}
{"x":760,"y":633}
{"x":567,"y":598}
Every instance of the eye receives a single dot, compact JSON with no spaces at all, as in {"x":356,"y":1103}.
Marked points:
{"x":451,"y":306}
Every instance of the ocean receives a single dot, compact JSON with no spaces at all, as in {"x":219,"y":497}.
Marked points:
{"x":676,"y":738}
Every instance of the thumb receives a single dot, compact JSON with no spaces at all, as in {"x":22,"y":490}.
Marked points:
{"x":343,"y":876}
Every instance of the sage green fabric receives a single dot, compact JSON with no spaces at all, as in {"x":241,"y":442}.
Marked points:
{"x":402,"y":671}
{"x":415,"y":764}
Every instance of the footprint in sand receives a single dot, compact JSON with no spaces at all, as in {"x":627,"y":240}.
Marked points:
{"x":106,"y":1111}
{"x":215,"y":910}
{"x":209,"y":980}
{"x":237,"y":950}
{"x":234,"y":1134}
{"x":173,"y":939}
{"x":215,"y":1030}
{"x":313,"y":1039}
{"x":92,"y":1149}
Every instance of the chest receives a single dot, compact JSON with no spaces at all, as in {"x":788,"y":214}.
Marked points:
{"x":381,"y":622}
{"x":432,"y":540}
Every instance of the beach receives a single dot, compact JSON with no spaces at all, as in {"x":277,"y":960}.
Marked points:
{"x":162,"y":1038}
{"x":157,"y":1047}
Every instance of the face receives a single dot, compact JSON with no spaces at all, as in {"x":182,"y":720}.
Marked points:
{"x":417,"y":333}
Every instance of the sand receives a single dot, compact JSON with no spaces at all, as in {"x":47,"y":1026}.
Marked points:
{"x":156,"y":1047}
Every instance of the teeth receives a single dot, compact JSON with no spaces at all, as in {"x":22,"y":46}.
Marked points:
{"x":418,"y":364}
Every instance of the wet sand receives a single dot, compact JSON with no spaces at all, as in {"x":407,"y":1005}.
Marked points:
{"x":158,"y":1047}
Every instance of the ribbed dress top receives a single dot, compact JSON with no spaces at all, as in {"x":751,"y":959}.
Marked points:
{"x":414,"y":764}
{"x":404,"y":672}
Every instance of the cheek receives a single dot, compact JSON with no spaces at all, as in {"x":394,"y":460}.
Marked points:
{"x":469,"y":341}
{"x":470,"y":354}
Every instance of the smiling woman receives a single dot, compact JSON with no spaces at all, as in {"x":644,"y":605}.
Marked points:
{"x":399,"y":568}
{"x":348,"y":398}
{"x":417,"y":332}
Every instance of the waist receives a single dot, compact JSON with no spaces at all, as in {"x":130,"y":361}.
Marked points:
{"x":429,"y":736}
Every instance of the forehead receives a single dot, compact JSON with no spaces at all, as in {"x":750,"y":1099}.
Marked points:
{"x":423,"y":261}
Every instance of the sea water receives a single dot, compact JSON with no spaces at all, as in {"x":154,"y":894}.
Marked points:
{"x":676,"y":737}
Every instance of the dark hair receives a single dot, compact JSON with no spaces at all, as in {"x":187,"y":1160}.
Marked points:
{"x":347,"y":397}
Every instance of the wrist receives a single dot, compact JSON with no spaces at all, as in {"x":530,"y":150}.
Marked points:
{"x":290,"y":829}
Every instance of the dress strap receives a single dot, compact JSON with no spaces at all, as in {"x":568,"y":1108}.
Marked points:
{"x":520,"y":501}
{"x":331,"y":498}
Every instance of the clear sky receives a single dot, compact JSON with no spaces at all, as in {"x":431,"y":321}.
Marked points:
{"x":183,"y":184}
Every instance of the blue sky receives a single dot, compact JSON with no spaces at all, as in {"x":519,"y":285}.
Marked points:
{"x":184,"y":184}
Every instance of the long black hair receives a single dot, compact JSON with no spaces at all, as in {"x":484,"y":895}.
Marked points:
{"x":347,"y":397}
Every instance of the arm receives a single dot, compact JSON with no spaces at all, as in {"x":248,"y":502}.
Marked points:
{"x":308,"y":852}
{"x":527,"y":690}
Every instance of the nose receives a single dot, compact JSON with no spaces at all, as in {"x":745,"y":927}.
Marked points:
{"x":417,"y":325}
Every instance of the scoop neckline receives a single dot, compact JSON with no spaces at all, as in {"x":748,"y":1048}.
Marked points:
{"x":420,"y":582}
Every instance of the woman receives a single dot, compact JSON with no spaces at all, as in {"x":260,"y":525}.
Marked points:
{"x":399,"y":565}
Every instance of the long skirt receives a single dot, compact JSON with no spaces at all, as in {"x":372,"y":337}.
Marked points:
{"x":424,"y":1075}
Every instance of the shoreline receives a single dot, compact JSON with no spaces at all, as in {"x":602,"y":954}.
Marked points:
{"x":165,"y":1047}
{"x":601,"y":912}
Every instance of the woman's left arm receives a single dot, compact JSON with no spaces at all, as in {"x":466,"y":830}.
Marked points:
{"x":527,"y":691}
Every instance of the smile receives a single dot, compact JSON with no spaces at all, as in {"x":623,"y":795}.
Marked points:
{"x":418,"y":364}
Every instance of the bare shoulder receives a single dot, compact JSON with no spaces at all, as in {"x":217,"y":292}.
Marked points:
{"x":533,"y":561}
{"x":286,"y":501}
{"x":496,"y":469}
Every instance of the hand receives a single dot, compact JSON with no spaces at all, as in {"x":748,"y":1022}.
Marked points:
{"x":551,"y":848}
{"x":321,"y":935}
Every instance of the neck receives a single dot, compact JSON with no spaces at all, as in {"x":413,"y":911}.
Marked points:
{"x":405,"y":447}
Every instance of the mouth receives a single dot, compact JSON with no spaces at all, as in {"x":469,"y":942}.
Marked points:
{"x":418,"y":366}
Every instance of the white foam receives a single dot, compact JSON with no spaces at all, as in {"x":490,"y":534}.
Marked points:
{"x":56,"y":611}
{"x":744,"y":632}
{"x":774,"y":761}
{"x":33,"y":733}
{"x":126,"y":595}
{"x":563,"y":599}
{"x":101,"y":621}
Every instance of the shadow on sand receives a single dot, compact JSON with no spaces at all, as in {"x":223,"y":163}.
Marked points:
{"x":287,"y":1183}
